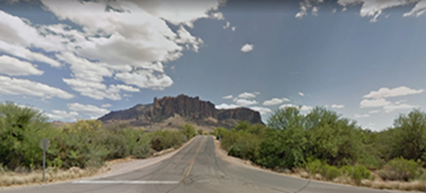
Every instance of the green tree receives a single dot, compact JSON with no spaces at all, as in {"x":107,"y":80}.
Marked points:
{"x":285,"y":143}
{"x":409,"y":136}
{"x":331,"y":138}
{"x":188,"y":130}
{"x":21,"y":130}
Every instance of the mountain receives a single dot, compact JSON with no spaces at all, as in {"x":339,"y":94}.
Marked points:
{"x":173,"y":112}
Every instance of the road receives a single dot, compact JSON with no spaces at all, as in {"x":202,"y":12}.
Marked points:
{"x":195,"y":168}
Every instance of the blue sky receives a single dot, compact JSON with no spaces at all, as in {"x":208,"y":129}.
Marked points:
{"x":73,"y":60}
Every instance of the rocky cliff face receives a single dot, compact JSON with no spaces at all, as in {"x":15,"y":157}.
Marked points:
{"x":189,"y":109}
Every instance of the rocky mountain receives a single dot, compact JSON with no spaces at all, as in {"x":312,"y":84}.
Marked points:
{"x":172,"y":112}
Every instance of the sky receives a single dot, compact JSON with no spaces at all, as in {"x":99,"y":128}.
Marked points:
{"x":74,"y":60}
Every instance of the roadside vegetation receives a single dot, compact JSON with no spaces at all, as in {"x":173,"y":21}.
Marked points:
{"x":323,"y":145}
{"x":76,"y":149}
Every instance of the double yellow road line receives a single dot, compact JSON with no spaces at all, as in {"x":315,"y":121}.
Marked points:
{"x":191,"y":163}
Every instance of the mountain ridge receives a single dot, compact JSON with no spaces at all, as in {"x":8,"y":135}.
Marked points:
{"x":172,"y":112}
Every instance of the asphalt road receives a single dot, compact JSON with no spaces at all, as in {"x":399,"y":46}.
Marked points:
{"x":195,"y":168}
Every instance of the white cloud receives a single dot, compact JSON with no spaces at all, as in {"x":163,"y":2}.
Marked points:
{"x":145,"y":79}
{"x":227,"y":25}
{"x":301,"y":93}
{"x":374,"y":111}
{"x":62,"y":115}
{"x":15,"y":67}
{"x":362,"y":116}
{"x":247,"y":95}
{"x":374,"y":8}
{"x":302,"y":108}
{"x":125,"y":45}
{"x":386,"y":92}
{"x":245,"y":102}
{"x":394,"y":107}
{"x":315,"y":10}
{"x":93,"y":111}
{"x":247,"y":48}
{"x":275,"y":101}
{"x":226,"y":106}
{"x":261,"y":110}
{"x":418,"y":10}
{"x":233,"y":28}
{"x":334,"y":106}
{"x":227,"y":97}
{"x":366,"y":103}
{"x":15,"y":86}
{"x":106,"y":105}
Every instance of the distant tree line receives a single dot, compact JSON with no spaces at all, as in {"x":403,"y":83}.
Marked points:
{"x":322,"y":141}
{"x":85,"y":143}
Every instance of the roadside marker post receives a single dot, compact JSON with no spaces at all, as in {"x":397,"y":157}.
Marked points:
{"x":44,"y":144}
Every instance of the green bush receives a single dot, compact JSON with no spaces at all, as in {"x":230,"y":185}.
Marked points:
{"x":188,"y":130}
{"x":356,"y":172}
{"x":330,"y":172}
{"x":401,"y":169}
{"x":200,"y":132}
{"x":141,"y":150}
{"x":314,"y":167}
{"x":164,"y":139}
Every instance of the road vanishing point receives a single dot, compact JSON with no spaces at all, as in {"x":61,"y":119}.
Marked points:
{"x":195,"y":168}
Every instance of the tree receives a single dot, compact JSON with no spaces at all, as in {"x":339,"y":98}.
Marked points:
{"x":284,"y":144}
{"x":20,"y":133}
{"x":331,"y":138}
{"x":409,"y":136}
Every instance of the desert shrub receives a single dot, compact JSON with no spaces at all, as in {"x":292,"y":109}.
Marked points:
{"x":188,"y":130}
{"x":219,"y":131}
{"x":401,"y":169}
{"x":356,"y":172}
{"x":313,"y":167}
{"x":116,"y":145}
{"x":228,"y":140}
{"x":330,"y":172}
{"x":164,"y":139}
{"x":372,"y":162}
{"x":141,"y":150}
{"x":200,"y":132}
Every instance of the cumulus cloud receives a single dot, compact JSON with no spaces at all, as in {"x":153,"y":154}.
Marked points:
{"x":374,"y":8}
{"x":261,"y":110}
{"x":245,"y":102}
{"x":106,"y":105}
{"x":15,"y":86}
{"x":362,"y":116}
{"x":275,"y":101}
{"x":247,"y":95}
{"x":366,"y":103}
{"x":233,"y":28}
{"x":226,"y":106}
{"x":91,"y":110}
{"x":227,"y":97}
{"x":386,"y":92}
{"x":374,"y":111}
{"x":301,"y":93}
{"x":302,"y":107}
{"x":62,"y":115}
{"x":226,"y":25}
{"x":126,"y":41}
{"x":15,"y":67}
{"x":334,"y":106}
{"x":394,"y":107}
{"x":247,"y":48}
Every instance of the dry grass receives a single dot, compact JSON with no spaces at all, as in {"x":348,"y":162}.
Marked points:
{"x":376,"y":183}
{"x":36,"y":177}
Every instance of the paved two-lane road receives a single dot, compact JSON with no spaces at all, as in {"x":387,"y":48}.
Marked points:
{"x":195,"y":168}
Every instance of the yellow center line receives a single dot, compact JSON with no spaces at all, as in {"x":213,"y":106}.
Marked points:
{"x":189,"y":167}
